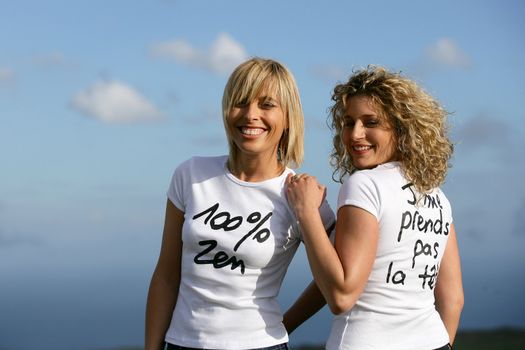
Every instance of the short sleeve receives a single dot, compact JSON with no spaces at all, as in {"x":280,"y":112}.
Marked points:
{"x":327,"y":217}
{"x":360,"y":191}
{"x":325,"y":212}
{"x":176,"y":187}
{"x":446,"y":204}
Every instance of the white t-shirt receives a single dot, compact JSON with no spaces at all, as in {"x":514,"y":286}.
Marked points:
{"x":396,"y":309}
{"x":238,"y":240}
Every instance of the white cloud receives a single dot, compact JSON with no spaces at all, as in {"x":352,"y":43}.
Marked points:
{"x":225,"y":54}
{"x":447,"y":53}
{"x":115,"y":102}
{"x":222,"y":57}
{"x":7,"y":75}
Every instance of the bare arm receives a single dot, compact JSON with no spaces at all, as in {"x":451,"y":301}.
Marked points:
{"x":164,"y":286}
{"x":341,"y":273}
{"x":307,"y":305}
{"x":449,"y":287}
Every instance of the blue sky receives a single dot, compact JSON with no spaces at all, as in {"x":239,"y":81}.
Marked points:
{"x":100,"y":100}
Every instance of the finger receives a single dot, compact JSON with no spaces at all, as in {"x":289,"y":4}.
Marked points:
{"x":289,"y":179}
{"x":295,"y":178}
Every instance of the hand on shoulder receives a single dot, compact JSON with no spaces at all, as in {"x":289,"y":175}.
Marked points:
{"x":304,"y":193}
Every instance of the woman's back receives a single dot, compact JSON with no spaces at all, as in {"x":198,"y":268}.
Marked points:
{"x":396,"y":309}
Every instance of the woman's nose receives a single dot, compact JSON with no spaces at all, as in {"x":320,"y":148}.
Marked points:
{"x":251,"y":111}
{"x":358,"y":131}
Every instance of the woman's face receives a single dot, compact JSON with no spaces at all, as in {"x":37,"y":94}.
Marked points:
{"x":367,"y":135}
{"x":256,"y":127}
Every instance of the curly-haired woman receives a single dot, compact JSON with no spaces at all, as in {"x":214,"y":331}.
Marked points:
{"x":393,"y":277}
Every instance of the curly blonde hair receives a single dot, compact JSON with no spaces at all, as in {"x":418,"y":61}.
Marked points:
{"x":418,"y":121}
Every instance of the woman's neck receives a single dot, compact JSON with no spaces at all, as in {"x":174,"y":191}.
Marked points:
{"x":255,"y":169}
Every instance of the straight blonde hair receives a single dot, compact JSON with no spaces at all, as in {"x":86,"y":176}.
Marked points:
{"x":247,"y":82}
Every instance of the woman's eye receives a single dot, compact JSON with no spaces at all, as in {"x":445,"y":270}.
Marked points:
{"x":267,"y":104}
{"x":372,"y":123}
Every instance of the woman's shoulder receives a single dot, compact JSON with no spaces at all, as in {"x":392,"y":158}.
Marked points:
{"x":200,"y":167}
{"x":385,"y":177}
{"x":380,"y":172}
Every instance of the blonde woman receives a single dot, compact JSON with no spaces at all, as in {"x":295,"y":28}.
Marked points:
{"x":229,"y":231}
{"x":393,"y":278}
